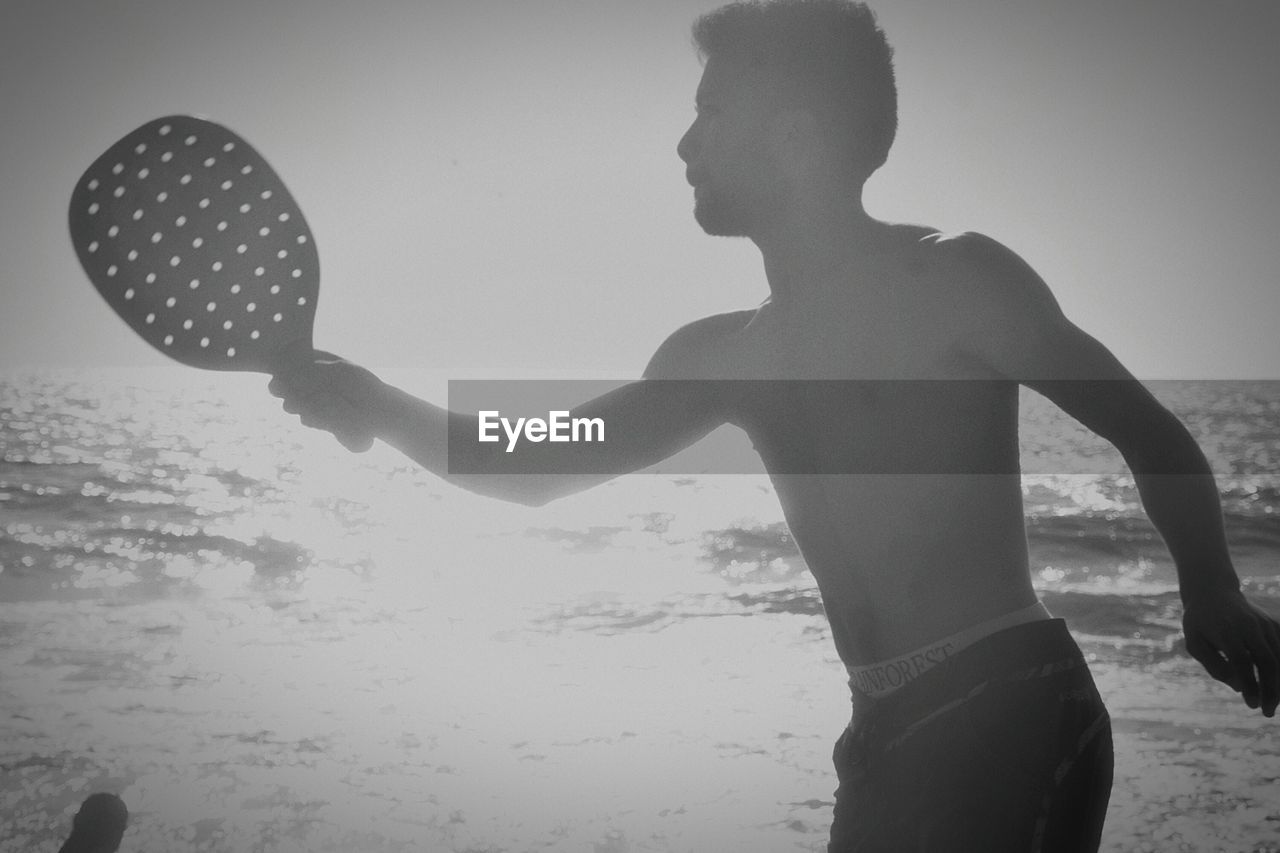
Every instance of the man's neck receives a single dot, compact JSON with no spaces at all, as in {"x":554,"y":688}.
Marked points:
{"x":812,"y":247}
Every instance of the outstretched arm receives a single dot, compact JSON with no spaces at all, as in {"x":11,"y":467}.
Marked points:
{"x":646,"y":421}
{"x":1025,"y":337}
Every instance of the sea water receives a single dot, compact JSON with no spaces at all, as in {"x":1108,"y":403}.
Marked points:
{"x":264,"y":642}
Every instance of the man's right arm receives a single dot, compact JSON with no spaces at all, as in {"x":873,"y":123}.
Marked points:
{"x":647,"y":421}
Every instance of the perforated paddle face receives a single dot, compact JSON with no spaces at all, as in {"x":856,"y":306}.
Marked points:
{"x":193,"y":239}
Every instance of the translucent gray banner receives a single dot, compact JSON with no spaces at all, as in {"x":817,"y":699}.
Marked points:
{"x":599,"y":427}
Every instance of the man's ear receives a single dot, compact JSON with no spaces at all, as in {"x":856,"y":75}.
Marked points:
{"x":796,"y":130}
{"x":796,"y":138}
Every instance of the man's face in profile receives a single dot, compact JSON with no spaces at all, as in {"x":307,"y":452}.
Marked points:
{"x":728,"y":150}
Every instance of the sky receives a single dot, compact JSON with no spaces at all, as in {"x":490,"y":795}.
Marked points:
{"x":494,"y":185}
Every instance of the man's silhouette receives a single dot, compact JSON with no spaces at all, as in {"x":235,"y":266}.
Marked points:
{"x":889,"y":426}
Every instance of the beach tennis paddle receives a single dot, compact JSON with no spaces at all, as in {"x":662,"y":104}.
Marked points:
{"x":194,"y":241}
{"x":192,"y":238}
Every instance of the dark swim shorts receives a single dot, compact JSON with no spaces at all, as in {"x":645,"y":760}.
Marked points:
{"x":1004,"y":747}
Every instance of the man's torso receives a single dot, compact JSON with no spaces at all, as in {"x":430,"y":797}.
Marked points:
{"x":893,"y":451}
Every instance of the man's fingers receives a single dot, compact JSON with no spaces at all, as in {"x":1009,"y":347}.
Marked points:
{"x":320,"y":391}
{"x":1269,"y":667}
{"x":304,"y":377}
{"x":1214,"y":663}
{"x":1242,"y":665}
{"x":338,"y":417}
{"x":1242,"y":679}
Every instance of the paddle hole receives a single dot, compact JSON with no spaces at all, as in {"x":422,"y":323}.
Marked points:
{"x":251,"y":307}
{"x":208,"y":162}
{"x":245,"y":208}
{"x":180,"y":221}
{"x":113,"y":230}
{"x":128,"y":294}
{"x":245,"y":170}
{"x":254,"y":335}
{"x":118,"y":192}
{"x":93,"y":184}
{"x":282,"y":254}
{"x":165,"y":129}
{"x":222,"y":226}
{"x":204,"y":342}
{"x":258,"y":271}
{"x":302,"y":300}
{"x":184,"y":180}
{"x":197,"y":242}
{"x":264,"y":231}
{"x":151,"y":278}
{"x":227,"y":324}
{"x":211,"y":307}
{"x":284,"y":217}
{"x":187,"y":324}
{"x":204,"y":202}
{"x":162,"y":197}
{"x":143,"y":173}
{"x":133,"y":254}
{"x":156,"y":237}
{"x":190,"y":140}
{"x":228,"y":146}
{"x":235,"y":288}
{"x":111,"y":271}
{"x":137,"y":214}
{"x":151,"y":318}
{"x":217,"y":266}
{"x":231,"y":352}
{"x":241,"y":249}
{"x":170,"y":302}
{"x":302,"y":238}
{"x":93,"y":208}
{"x":168,"y":340}
{"x":166,"y":157}
{"x":175,"y":260}
{"x":140,"y":148}
{"x":117,"y":168}
{"x":266,"y":194}
{"x":275,"y":288}
{"x":226,"y":185}
{"x":277,"y":317}
{"x":195,"y":283}
{"x":93,"y":247}
{"x":297,"y":273}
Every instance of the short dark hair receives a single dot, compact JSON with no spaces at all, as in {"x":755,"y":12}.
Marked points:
{"x":835,"y":61}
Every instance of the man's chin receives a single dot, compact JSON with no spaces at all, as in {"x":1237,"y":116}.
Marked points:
{"x":716,"y":223}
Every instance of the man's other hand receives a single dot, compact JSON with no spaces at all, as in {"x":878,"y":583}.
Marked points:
{"x":1238,"y":643}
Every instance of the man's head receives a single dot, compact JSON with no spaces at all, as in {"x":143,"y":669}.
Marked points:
{"x":785,"y":80}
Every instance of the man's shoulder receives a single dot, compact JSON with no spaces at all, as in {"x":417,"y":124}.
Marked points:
{"x":992,"y":282}
{"x":1003,"y":315}
{"x":684,"y":349}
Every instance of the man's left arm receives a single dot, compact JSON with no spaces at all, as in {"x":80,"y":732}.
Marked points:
{"x":1024,"y":336}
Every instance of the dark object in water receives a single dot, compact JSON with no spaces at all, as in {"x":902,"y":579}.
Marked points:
{"x":98,"y":826}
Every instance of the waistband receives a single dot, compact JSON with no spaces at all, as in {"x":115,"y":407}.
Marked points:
{"x":1025,"y":652}
{"x":883,"y":678}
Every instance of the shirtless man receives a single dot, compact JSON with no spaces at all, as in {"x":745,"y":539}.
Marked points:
{"x":976,"y":724}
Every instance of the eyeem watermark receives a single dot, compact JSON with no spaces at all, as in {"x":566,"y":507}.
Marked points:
{"x":558,"y":427}
{"x":841,"y":427}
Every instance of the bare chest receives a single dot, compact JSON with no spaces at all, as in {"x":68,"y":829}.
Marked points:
{"x":901,"y":340}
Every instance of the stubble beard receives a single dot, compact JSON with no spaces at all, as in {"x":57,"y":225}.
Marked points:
{"x":718,"y":215}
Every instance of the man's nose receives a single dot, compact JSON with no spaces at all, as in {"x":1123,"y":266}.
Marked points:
{"x":684,"y":148}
